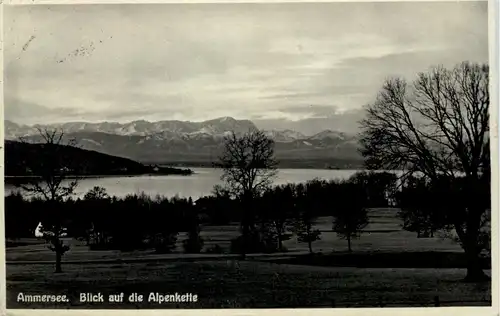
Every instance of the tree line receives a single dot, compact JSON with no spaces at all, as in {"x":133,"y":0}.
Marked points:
{"x":140,"y":221}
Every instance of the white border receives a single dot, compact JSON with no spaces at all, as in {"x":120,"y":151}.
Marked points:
{"x":494,"y":50}
{"x":22,"y":2}
{"x":2,"y":218}
{"x":493,"y":19}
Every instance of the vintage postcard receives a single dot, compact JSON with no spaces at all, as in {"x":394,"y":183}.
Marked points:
{"x":250,"y":155}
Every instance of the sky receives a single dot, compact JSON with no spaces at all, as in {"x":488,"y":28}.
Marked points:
{"x":276,"y":64}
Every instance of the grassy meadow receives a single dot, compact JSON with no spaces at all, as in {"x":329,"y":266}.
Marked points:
{"x":383,"y":234}
{"x":249,"y":284}
{"x":224,"y":281}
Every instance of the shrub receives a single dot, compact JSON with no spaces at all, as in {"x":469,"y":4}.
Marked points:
{"x":215,"y":249}
{"x":271,"y":239}
{"x":193,"y":244}
{"x":253,"y":243}
{"x":305,"y":232}
{"x":165,"y":242}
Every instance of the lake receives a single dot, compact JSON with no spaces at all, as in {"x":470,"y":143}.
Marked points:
{"x":196,"y":185}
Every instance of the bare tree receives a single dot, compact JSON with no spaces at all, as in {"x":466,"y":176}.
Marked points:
{"x":437,"y":127}
{"x":248,"y":163}
{"x":249,"y":167}
{"x":54,"y":177}
{"x":53,"y":167}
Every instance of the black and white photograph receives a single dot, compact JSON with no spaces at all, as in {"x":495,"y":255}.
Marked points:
{"x":249,"y":155}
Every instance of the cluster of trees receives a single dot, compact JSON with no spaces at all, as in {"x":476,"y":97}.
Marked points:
{"x":140,"y":221}
{"x":128,"y":223}
{"x":435,"y":129}
{"x":434,"y":207}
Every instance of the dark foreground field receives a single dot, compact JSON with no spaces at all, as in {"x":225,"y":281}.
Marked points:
{"x":222,"y":284}
{"x":389,"y":267}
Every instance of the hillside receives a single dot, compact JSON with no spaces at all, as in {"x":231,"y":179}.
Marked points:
{"x":22,"y":159}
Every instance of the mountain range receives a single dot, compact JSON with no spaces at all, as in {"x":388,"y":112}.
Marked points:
{"x":196,"y":143}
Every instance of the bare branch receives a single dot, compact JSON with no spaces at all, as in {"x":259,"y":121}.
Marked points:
{"x":248,"y":163}
{"x":438,"y":127}
{"x":54,"y":173}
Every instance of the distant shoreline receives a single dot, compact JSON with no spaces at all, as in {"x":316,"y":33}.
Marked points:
{"x":7,"y":178}
{"x":110,"y":175}
{"x":286,"y":165}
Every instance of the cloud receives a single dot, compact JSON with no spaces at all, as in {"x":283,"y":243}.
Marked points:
{"x":315,"y":110}
{"x":29,"y":113}
{"x":346,"y":121}
{"x":199,"y":61}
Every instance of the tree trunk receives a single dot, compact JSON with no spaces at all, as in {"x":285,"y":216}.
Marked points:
{"x":469,"y":240}
{"x":309,"y":241}
{"x":58,"y":261}
{"x":475,"y":272}
{"x":247,"y":222}
{"x":244,"y":240}
{"x":279,"y":235}
{"x":349,"y":243}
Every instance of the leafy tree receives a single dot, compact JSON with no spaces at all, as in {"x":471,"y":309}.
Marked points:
{"x":248,"y":169}
{"x":380,"y":187}
{"x":93,"y":220}
{"x":275,"y":211}
{"x":350,"y":216}
{"x":194,"y":242}
{"x":305,"y":232}
{"x":220,"y":207}
{"x":417,"y":202}
{"x":168,"y":217}
{"x":318,"y":195}
{"x":438,"y":127}
{"x":96,"y":193}
{"x":303,"y":220}
{"x":21,"y":218}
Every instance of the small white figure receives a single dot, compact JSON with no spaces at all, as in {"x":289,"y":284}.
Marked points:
{"x":38,"y":232}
